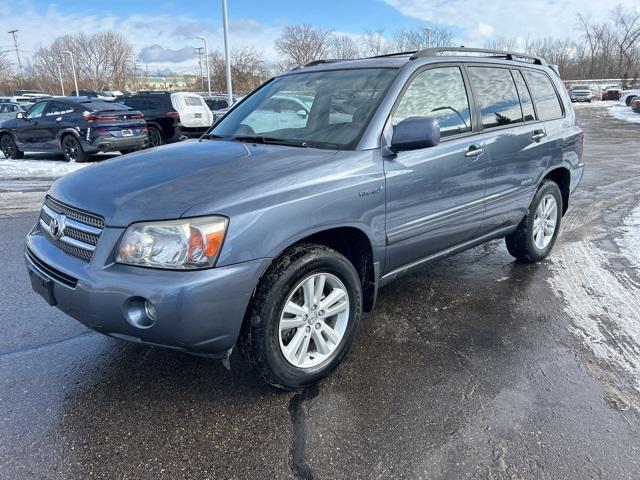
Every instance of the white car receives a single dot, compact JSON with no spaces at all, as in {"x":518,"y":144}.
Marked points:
{"x":627,"y":96}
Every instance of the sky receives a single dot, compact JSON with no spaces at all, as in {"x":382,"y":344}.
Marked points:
{"x":162,"y":30}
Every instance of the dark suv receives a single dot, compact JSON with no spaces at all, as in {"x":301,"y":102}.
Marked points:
{"x":171,"y":116}
{"x":276,"y":230}
{"x":74,"y":126}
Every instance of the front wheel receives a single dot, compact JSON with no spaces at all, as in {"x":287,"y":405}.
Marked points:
{"x":537,"y":232}
{"x":9,"y":148}
{"x":303,"y":317}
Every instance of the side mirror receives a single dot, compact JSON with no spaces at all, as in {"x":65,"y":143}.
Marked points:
{"x":302,"y":113}
{"x":414,"y":133}
{"x":21,"y":115}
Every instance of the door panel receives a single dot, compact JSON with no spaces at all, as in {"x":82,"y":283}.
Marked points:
{"x":31,"y":133}
{"x":434,"y":195}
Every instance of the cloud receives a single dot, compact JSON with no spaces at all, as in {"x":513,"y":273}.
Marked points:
{"x":159,"y":54}
{"x":479,"y":21}
{"x":191,"y":29}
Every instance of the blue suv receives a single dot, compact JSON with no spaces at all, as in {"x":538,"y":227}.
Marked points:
{"x":75,"y":127}
{"x":275,"y":230}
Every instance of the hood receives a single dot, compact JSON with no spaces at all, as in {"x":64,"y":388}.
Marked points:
{"x":164,"y":183}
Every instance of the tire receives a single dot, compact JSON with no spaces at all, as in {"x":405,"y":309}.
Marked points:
{"x":524,"y":244}
{"x":9,"y":148}
{"x":154,"y":138}
{"x":72,"y":149}
{"x":629,"y":100}
{"x":262,"y":342}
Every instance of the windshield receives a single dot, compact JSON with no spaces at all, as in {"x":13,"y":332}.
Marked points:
{"x":315,"y":109}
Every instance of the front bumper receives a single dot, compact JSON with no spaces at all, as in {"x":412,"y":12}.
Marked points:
{"x":198,"y":312}
{"x":108,"y":143}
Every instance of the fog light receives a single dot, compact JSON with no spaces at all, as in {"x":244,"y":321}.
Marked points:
{"x":140,"y":313}
{"x":150,"y":309}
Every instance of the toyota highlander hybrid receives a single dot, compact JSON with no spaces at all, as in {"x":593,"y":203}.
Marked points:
{"x":275,"y":230}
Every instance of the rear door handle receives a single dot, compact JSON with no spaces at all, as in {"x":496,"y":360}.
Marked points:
{"x":474,"y":151}
{"x":538,"y":135}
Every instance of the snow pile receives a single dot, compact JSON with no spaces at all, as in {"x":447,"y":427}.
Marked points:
{"x":36,"y":169}
{"x":624,"y":113}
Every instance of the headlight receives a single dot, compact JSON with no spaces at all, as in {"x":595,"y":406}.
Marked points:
{"x":186,"y":244}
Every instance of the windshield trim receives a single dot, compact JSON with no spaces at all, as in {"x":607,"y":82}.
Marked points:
{"x":352,"y":146}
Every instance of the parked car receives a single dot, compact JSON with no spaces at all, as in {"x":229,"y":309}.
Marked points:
{"x":26,"y":102}
{"x":628,"y":96}
{"x":22,"y":93}
{"x":277,"y":240}
{"x":635,"y":105}
{"x":171,"y":116}
{"x":611,"y":92}
{"x":9,"y":110}
{"x":110,"y":95}
{"x":219,"y":104}
{"x":75,"y":127}
{"x":581,"y":93}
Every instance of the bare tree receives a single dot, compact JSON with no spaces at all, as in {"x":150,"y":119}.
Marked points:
{"x":301,"y":44}
{"x":344,"y":47}
{"x":419,"y":38}
{"x":373,"y":43}
{"x":248,"y":70}
{"x":502,"y":43}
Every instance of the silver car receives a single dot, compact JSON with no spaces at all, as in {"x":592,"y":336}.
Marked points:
{"x":581,"y":93}
{"x":8,"y":110}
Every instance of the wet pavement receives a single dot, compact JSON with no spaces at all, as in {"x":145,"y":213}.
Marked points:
{"x":476,"y":367}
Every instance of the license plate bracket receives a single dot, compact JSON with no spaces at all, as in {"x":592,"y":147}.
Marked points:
{"x":127,"y":133}
{"x":43,"y":287}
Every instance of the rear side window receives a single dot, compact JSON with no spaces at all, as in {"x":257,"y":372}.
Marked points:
{"x":439,"y":93}
{"x":525,"y":98}
{"x":193,"y":101}
{"x":58,"y":108}
{"x":544,"y":95}
{"x":496,"y":92}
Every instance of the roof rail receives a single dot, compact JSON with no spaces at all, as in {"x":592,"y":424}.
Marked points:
{"x":320,"y":62}
{"x":434,"y":52}
{"x":395,"y":54}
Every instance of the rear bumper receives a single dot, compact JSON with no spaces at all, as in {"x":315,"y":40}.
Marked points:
{"x":109,"y":143}
{"x":198,"y":312}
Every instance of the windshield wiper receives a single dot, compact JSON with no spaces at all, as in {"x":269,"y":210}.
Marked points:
{"x":269,"y":140}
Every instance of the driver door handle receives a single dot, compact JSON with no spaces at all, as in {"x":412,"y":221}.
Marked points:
{"x":474,"y":151}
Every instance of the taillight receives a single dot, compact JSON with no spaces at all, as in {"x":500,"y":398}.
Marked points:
{"x":90,"y":117}
{"x":173,"y":115}
{"x":137,"y":117}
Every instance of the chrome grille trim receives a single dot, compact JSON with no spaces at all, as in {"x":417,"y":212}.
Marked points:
{"x":81,"y":232}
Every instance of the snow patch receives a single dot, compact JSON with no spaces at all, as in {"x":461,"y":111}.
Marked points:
{"x":36,"y":169}
{"x":602,"y":300}
{"x":624,"y":113}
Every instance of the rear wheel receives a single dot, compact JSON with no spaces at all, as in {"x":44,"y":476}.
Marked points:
{"x":9,"y":148}
{"x":72,"y":149}
{"x":154,"y":138}
{"x":629,"y":100}
{"x":537,"y":233}
{"x":303,"y":317}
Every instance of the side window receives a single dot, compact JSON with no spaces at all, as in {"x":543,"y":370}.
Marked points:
{"x":58,"y":108}
{"x":36,"y":110}
{"x":439,"y":93}
{"x":544,"y":95}
{"x":4,"y":108}
{"x":525,"y":98}
{"x":497,"y":95}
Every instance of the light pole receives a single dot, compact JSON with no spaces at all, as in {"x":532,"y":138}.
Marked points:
{"x":61,"y":81}
{"x":73,"y":68}
{"x":227,"y":60}
{"x":206,"y":54}
{"x":15,"y":44}
{"x":429,"y":32}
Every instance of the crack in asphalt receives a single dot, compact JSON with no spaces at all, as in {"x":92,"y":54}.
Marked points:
{"x":298,"y":461}
{"x":4,"y":353}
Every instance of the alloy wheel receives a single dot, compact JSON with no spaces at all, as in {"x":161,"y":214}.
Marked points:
{"x":545,"y":222}
{"x":314,"y":320}
{"x":6,"y":145}
{"x":70,"y":148}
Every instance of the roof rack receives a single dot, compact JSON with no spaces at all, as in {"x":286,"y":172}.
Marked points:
{"x":396,"y":54}
{"x":320,"y":62}
{"x":434,"y":52}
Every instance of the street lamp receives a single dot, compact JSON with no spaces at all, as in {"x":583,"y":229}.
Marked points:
{"x":61,"y":81}
{"x":227,"y":60}
{"x":429,"y":32}
{"x":73,"y":68}
{"x":206,"y":53}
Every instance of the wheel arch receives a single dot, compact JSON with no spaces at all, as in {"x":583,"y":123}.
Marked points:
{"x":562,"y":177}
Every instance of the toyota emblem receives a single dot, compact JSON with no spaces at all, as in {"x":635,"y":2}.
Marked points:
{"x":57,"y":226}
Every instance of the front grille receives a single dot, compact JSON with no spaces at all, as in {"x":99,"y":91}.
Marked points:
{"x":51,"y":272}
{"x":81,"y":231}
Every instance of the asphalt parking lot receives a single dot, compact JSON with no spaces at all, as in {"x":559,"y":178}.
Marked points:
{"x":476,"y":367}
